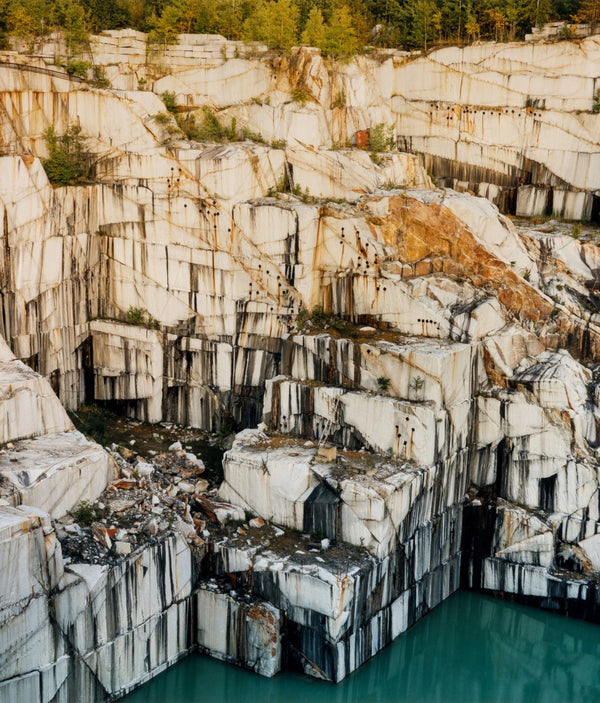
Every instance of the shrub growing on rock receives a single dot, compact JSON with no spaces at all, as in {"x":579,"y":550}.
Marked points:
{"x":68,"y":161}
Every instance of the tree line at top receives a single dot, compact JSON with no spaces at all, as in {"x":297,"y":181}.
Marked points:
{"x":338,"y":27}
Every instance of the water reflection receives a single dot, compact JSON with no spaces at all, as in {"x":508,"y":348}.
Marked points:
{"x":470,"y":649}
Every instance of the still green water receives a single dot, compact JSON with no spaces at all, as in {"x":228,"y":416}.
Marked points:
{"x":471,"y":649}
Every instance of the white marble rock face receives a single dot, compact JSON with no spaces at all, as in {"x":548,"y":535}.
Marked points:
{"x":172,"y":285}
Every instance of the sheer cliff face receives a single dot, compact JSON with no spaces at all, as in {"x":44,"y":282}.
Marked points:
{"x":445,"y":352}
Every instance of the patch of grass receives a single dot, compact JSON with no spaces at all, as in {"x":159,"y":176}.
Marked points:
{"x":318,"y":319}
{"x":208,"y":128}
{"x":344,"y":144}
{"x":253,"y":136}
{"x":142,"y":318}
{"x":304,"y":195}
{"x":161,"y":118}
{"x":299,"y":95}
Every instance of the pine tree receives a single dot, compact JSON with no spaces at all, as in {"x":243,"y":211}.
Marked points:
{"x":314,"y":29}
{"x":71,"y":17}
{"x":275,"y":23}
{"x":340,"y":38}
{"x":164,"y":29}
{"x":426,"y":20}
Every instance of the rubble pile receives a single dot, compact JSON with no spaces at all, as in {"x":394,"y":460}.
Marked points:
{"x":151,"y":498}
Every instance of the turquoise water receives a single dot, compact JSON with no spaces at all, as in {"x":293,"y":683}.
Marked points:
{"x":472,"y":648}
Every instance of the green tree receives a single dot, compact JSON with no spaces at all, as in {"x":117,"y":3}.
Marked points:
{"x":314,"y":29}
{"x":71,"y":17}
{"x":426,"y":22}
{"x":230,"y":17}
{"x":191,"y":16}
{"x":68,"y":159}
{"x":513,"y":11}
{"x":340,"y":37}
{"x":538,"y":12}
{"x":275,"y":23}
{"x":29,"y":19}
{"x":164,"y":28}
{"x":589,"y":12}
{"x":107,"y":15}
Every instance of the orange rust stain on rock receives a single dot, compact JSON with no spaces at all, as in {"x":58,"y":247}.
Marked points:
{"x":496,"y":377}
{"x":432,"y":230}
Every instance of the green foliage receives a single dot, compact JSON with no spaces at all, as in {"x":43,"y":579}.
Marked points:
{"x":92,"y":420}
{"x":163,"y":28}
{"x":314,"y":29}
{"x":249,"y":135}
{"x":589,"y":12}
{"x":339,"y":28}
{"x":417,"y":383}
{"x":68,"y":159}
{"x":299,"y":95}
{"x":209,"y":129}
{"x":340,"y":38}
{"x":381,"y":138}
{"x":226,"y":427}
{"x":275,"y":23}
{"x":317,"y":318}
{"x":142,"y":318}
{"x":78,"y":68}
{"x":135,"y":316}
{"x":84,"y":514}
{"x":383,"y":383}
{"x":162,"y":118}
{"x":168,"y":98}
{"x":425,"y":22}
{"x":99,"y":78}
{"x":72,"y":19}
{"x":596,"y":103}
{"x":29,"y":19}
{"x":566,"y":33}
{"x":230,"y":132}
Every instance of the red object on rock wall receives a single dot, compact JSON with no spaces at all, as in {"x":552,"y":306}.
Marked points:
{"x":362,"y":139}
